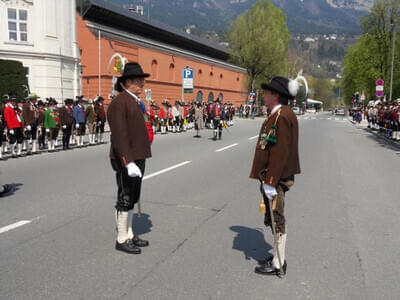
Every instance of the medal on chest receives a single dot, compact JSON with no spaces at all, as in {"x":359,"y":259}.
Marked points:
{"x":269,"y":138}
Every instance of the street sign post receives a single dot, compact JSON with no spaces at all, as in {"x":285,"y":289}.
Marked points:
{"x":187,"y":82}
{"x":380,"y":83}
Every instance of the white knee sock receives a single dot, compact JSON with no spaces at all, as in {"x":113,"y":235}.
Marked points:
{"x":281,"y":247}
{"x":13,"y":149}
{"x":122,"y":225}
{"x":19,"y":149}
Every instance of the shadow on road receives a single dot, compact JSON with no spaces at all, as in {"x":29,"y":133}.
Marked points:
{"x":251,"y":242}
{"x":14,"y":187}
{"x":382,"y":141}
{"x":141,"y":225}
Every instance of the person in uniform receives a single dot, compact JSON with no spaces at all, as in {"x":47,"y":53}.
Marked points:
{"x":216,"y":120}
{"x":101,"y":119}
{"x":66,"y":122}
{"x":14,"y":125}
{"x":163,"y":117}
{"x":41,"y":130}
{"x":80,"y":121}
{"x":91,"y":120}
{"x":31,"y":119}
{"x":130,"y":147}
{"x":198,"y":117}
{"x":3,"y":128}
{"x":51,"y":124}
{"x":276,"y":160}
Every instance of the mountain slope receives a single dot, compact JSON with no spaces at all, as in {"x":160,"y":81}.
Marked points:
{"x":303,"y":16}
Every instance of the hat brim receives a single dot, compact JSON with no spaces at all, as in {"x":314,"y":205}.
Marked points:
{"x":270,"y":87}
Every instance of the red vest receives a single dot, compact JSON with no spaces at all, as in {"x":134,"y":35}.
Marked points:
{"x":12,"y":120}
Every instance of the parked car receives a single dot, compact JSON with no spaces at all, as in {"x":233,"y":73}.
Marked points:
{"x":296,"y":110}
{"x":339,"y":111}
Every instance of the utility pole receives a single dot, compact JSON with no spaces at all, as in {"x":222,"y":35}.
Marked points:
{"x":393,"y":26}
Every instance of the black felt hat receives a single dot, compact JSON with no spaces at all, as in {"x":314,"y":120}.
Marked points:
{"x":131,"y":70}
{"x":283,"y":86}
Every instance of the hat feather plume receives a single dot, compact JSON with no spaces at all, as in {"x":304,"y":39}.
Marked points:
{"x":293,"y":87}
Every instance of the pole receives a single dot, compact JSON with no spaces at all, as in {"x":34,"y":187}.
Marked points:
{"x":99,"y":92}
{"x":183,"y":89}
{"x":393,"y":50}
{"x":61,"y":76}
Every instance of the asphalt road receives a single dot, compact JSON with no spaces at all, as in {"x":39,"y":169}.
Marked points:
{"x":200,"y":214}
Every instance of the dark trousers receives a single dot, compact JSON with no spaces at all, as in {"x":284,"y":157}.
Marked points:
{"x":42,"y":137}
{"x":32,"y":134}
{"x":66,"y":136}
{"x":100,"y":127}
{"x":128,"y":187}
{"x":17,"y":137}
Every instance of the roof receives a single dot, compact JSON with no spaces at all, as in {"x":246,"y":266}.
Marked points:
{"x":115,"y":16}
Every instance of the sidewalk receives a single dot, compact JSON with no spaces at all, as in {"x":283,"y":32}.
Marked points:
{"x":364,"y":125}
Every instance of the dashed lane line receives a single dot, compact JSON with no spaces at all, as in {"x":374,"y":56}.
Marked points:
{"x":166,"y":170}
{"x":227,"y":147}
{"x":14,"y":226}
{"x":253,"y":137}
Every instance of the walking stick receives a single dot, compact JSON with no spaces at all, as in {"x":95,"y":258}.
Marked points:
{"x":139,"y":209}
{"x":270,"y":211}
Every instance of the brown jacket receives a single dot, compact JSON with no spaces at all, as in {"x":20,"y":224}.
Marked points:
{"x":129,"y":137}
{"x":281,"y":160}
{"x":66,"y":116}
{"x":30,"y":114}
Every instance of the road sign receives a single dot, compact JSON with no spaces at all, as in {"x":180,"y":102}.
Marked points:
{"x":380,"y":83}
{"x":187,"y":80}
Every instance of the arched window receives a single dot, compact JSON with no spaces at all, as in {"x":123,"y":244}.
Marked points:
{"x":200,"y":72}
{"x":171,"y":72}
{"x":221,"y":76}
{"x":154,"y":69}
{"x":210,"y":97}
{"x":221,"y":97}
{"x":199,"y":97}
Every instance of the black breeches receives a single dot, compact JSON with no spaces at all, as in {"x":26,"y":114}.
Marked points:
{"x":17,"y":137}
{"x":128,"y":187}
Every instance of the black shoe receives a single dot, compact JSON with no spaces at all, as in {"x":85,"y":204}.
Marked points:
{"x":6,"y":189}
{"x":139,"y":242}
{"x":266,"y":260}
{"x":127,"y":247}
{"x":269,"y":269}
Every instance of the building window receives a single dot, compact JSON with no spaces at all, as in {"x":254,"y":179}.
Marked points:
{"x":199,"y":97}
{"x":171,"y":72}
{"x":221,"y":97}
{"x":211,"y":97}
{"x":17,"y":25}
{"x":154,"y":69}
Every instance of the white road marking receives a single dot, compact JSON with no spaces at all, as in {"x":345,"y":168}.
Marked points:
{"x":336,"y":119}
{"x":306,"y":118}
{"x":253,"y":137}
{"x":166,"y":170}
{"x":14,"y":226}
{"x":227,"y":147}
{"x":313,"y":118}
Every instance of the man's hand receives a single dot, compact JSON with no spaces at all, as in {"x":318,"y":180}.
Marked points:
{"x":29,"y":128}
{"x":133,"y":170}
{"x":77,"y":125}
{"x":270,"y":191}
{"x":64,"y":127}
{"x":11,"y":131}
{"x":47,"y":130}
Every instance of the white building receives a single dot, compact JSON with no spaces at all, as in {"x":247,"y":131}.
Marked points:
{"x":42,"y":35}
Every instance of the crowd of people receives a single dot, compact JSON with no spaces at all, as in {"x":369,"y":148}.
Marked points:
{"x":384,"y":118}
{"x":180,"y":117}
{"x":33,"y":125}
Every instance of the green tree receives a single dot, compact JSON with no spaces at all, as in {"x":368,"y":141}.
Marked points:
{"x":259,"y":41}
{"x":370,"y":58}
{"x":12,"y":78}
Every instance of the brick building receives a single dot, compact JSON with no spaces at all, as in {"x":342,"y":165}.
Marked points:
{"x":109,"y":34}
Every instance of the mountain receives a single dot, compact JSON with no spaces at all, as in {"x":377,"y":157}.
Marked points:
{"x":303,"y":16}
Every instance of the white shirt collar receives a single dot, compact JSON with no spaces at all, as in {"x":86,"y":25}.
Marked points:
{"x":132,"y":94}
{"x":275,"y":109}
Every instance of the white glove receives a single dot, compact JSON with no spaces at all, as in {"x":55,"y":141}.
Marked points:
{"x":270,"y":191}
{"x":77,"y":125}
{"x":11,"y":131}
{"x":29,"y":128}
{"x":133,"y":170}
{"x":47,"y":130}
{"x":64,"y":126}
